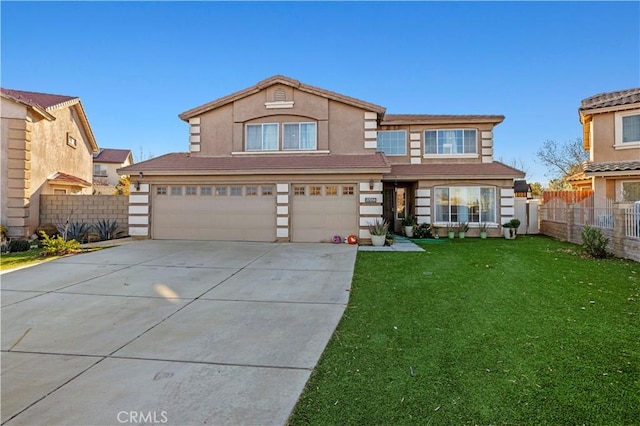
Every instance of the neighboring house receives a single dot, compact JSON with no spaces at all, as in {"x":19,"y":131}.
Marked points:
{"x":611,"y":130}
{"x":287,"y":161}
{"x":47,"y":147}
{"x":105,"y":166}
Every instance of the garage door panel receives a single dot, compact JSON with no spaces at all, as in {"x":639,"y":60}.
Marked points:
{"x":320,"y":217}
{"x":226,"y":218}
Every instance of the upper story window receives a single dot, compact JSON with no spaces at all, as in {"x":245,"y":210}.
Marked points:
{"x":631,"y":128}
{"x":450,"y":142}
{"x":392,"y":142}
{"x":295,"y":136}
{"x":627,"y":129}
{"x":262,"y":137}
{"x":300,"y":136}
{"x":99,"y":170}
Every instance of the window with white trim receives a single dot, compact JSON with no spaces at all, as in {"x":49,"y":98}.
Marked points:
{"x":250,"y":191}
{"x":235,"y":191}
{"x":262,"y":137}
{"x":161,"y":190}
{"x":267,"y":190}
{"x":221,"y":191}
{"x":205,"y":190}
{"x":392,"y":142}
{"x":450,"y":142}
{"x":191,"y":190}
{"x":299,"y":136}
{"x":176,"y":190}
{"x":627,"y":128}
{"x":473,"y":204}
{"x":631,"y":191}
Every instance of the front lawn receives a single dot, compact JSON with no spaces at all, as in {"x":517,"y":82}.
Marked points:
{"x":24,"y":258}
{"x":483,"y":332}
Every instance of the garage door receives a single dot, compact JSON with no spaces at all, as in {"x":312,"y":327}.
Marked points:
{"x":321,"y":211}
{"x":214,"y":212}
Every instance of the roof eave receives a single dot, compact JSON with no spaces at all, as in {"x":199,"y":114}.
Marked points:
{"x":590,"y":111}
{"x":443,"y":120}
{"x":37,"y":109}
{"x":251,"y":172}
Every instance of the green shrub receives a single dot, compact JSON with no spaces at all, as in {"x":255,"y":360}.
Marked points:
{"x":106,"y":229}
{"x":422,"y":231}
{"x":16,"y":246}
{"x":594,"y":243}
{"x":57,"y":246}
{"x":75,"y":231}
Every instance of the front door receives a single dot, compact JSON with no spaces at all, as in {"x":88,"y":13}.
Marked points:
{"x":396,"y":202}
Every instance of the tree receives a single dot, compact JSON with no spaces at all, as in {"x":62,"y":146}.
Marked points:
{"x":564,"y":159}
{"x":123,"y":186}
{"x":536,"y":188}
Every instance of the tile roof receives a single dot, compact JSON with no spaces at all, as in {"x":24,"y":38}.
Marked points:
{"x":455,"y":170}
{"x":181,"y":162}
{"x":390,"y":119}
{"x":43,"y":103}
{"x":611,"y":99}
{"x":111,"y":155}
{"x":35,"y":99}
{"x":612,"y":166}
{"x":67,"y":179}
{"x":279,"y":79}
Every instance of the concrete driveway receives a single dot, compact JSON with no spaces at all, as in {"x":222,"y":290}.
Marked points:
{"x":169,"y":332}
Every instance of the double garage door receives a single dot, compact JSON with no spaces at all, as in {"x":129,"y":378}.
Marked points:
{"x":317,"y":212}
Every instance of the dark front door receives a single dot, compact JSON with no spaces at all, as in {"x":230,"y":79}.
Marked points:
{"x":388,"y":203}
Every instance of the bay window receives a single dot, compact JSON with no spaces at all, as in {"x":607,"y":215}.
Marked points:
{"x":473,"y":204}
{"x":450,"y":142}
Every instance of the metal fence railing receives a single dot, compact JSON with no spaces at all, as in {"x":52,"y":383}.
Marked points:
{"x":632,"y":221}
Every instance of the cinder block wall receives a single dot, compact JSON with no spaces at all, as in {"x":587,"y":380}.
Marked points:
{"x":85,"y":208}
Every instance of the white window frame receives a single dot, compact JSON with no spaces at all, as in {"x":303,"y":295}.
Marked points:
{"x":261,"y":125}
{"x":315,"y":142}
{"x":393,"y":131}
{"x":450,"y":146}
{"x":618,"y":144}
{"x":471,"y":224}
{"x":620,"y":188}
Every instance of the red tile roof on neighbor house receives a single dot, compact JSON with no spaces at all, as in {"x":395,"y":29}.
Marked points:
{"x":181,"y":162}
{"x":611,"y":99}
{"x":396,"y":119}
{"x":280,"y":79}
{"x":44,"y":103}
{"x":35,"y":99}
{"x":111,"y":155}
{"x":67,"y":179}
{"x":454,"y":170}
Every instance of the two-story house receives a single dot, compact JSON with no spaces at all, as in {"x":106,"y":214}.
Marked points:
{"x":286,"y":161}
{"x":105,"y":166}
{"x":611,"y":134}
{"x":47,"y":147}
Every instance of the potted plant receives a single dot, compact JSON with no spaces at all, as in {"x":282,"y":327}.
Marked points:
{"x":408,"y":222}
{"x":378,"y":230}
{"x":483,"y":230}
{"x":510,"y":229}
{"x":436,"y":231}
{"x":451,"y":230}
{"x":463,"y":227}
{"x":390,"y":239}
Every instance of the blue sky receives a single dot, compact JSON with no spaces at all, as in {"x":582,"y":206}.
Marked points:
{"x":136,"y":66}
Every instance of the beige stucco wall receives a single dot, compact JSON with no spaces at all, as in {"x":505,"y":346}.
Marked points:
{"x":604,"y":139}
{"x":420,"y":129}
{"x":340,"y":127}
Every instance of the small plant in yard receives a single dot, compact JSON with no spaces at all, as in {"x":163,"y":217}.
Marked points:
{"x":75,"y":231}
{"x":378,"y":227}
{"x":463,"y":227}
{"x":16,"y":246}
{"x":4,"y":230}
{"x":594,"y":243}
{"x":422,"y":231}
{"x":106,"y":229}
{"x":57,"y":246}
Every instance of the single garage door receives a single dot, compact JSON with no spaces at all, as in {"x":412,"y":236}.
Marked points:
{"x":214,"y":212}
{"x":321,"y":211}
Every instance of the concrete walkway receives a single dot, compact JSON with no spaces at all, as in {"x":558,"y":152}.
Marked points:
{"x":169,"y":332}
{"x":400,"y":244}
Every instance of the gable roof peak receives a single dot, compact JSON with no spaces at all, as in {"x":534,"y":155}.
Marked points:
{"x":278,"y":78}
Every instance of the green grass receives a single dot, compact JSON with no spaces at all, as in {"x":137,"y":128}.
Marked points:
{"x":483,"y":332}
{"x":16,"y":260}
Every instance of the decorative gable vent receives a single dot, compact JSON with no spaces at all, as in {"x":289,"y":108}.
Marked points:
{"x":279,"y":95}
{"x":279,"y":100}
